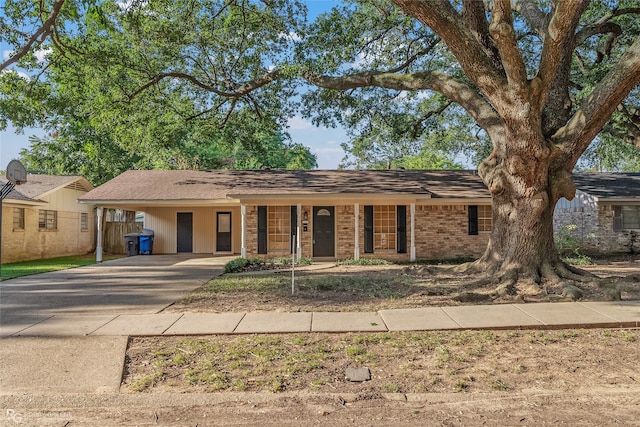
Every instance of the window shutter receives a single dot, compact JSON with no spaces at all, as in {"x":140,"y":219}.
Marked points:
{"x":473,"y":220}
{"x":368,"y":229}
{"x":401,"y":221}
{"x":262,"y":229}
{"x":617,"y":218}
{"x":294,"y":228}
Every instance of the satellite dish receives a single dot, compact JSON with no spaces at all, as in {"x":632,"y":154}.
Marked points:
{"x":16,"y":173}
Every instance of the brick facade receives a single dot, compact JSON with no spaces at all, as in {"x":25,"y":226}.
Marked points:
{"x":442,"y":232}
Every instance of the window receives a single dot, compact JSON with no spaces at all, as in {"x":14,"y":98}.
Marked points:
{"x":479,"y":219}
{"x":47,"y":220}
{"x":626,"y":217}
{"x":384,"y":228}
{"x":484,"y":218}
{"x":381,"y":228}
{"x":84,"y":226}
{"x":18,"y":219}
{"x":279,"y":229}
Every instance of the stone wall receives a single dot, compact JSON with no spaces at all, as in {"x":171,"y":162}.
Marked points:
{"x":590,"y":229}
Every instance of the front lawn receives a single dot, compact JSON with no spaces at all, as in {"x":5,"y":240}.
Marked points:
{"x":36,"y":266}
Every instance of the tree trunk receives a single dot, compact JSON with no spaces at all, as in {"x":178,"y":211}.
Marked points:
{"x":521,"y":254}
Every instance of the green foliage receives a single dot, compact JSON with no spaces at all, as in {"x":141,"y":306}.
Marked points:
{"x":568,"y":245}
{"x":242,"y":264}
{"x":37,"y":266}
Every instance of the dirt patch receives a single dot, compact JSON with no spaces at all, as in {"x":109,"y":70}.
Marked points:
{"x":418,"y":362}
{"x":372,"y":288}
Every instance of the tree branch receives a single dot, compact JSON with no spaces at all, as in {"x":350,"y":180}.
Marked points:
{"x":474,"y":14}
{"x":557,"y":48}
{"x":38,"y":37}
{"x":452,"y":88}
{"x":444,"y":20}
{"x":504,"y":36}
{"x":596,"y":109}
{"x":239,"y":92}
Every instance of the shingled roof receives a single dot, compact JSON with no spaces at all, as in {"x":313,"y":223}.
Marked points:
{"x":38,"y":186}
{"x":609,"y":185}
{"x":175,"y":185}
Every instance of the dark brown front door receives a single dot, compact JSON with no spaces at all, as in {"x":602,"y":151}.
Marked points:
{"x":185,"y":232}
{"x":223,"y":236}
{"x":323,"y":231}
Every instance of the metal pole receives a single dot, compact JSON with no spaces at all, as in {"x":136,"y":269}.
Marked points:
{"x":4,"y":192}
{"x":293,"y":269}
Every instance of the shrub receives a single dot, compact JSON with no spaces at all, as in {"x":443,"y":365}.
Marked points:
{"x":242,"y":264}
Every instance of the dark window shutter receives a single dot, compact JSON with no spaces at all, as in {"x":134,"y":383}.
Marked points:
{"x":368,"y":229}
{"x":262,"y":229}
{"x":473,"y":220}
{"x":401,"y":221}
{"x":617,"y":218}
{"x":294,"y":228}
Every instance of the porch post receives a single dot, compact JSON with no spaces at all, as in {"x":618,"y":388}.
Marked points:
{"x":99,"y":234}
{"x":243,"y":214}
{"x":299,"y":228}
{"x":412,"y":255}
{"x":356,"y":240}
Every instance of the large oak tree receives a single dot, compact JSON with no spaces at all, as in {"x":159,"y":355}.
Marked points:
{"x":541,"y":79}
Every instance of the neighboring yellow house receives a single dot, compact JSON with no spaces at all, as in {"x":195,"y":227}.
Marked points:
{"x":340,"y":214}
{"x":42,"y":219}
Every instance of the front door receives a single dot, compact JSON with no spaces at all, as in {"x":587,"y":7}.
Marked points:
{"x":223,"y":234}
{"x":185,"y":232}
{"x":323,"y":231}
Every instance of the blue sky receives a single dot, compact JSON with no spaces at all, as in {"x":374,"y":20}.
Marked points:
{"x":323,"y":142}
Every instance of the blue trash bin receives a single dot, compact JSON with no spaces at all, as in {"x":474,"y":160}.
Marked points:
{"x":146,"y":242}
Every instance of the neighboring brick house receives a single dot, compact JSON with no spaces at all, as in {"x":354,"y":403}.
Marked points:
{"x":42,"y":219}
{"x":393,"y":214}
{"x":604,"y":217}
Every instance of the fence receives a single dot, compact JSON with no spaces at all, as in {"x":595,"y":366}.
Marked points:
{"x":114,"y":235}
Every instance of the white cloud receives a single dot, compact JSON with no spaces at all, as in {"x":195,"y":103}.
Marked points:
{"x":6,"y":54}
{"x":299,"y":123}
{"x":41,"y":54}
{"x":292,"y":36}
{"x":19,"y":73}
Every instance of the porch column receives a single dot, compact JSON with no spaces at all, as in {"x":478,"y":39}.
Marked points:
{"x":298,"y":228}
{"x":412,"y":255}
{"x":243,"y":214}
{"x":99,"y":234}
{"x":356,"y":240}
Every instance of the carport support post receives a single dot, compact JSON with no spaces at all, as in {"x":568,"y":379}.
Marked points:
{"x":356,"y":243}
{"x":412,"y":256}
{"x":99,"y":237}
{"x":243,"y":226}
{"x":298,"y":227}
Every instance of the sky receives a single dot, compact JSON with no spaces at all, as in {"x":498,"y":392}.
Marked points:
{"x":323,"y":142}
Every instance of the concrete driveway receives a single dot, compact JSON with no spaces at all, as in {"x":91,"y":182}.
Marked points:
{"x":139,"y":284}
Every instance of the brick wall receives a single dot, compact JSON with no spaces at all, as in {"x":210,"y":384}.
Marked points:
{"x":441,"y":233}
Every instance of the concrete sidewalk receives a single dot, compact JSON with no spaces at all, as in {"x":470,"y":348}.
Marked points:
{"x":505,"y":316}
{"x":82,"y":353}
